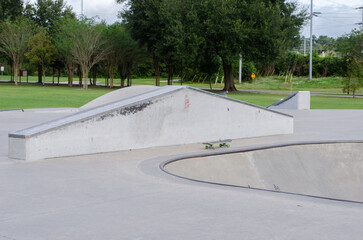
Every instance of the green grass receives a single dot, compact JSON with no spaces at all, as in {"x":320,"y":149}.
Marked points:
{"x":336,"y":103}
{"x":326,"y":85}
{"x":259,"y":99}
{"x":36,"y":96}
{"x":329,"y":84}
{"x":265,"y":100}
{"x":53,"y":96}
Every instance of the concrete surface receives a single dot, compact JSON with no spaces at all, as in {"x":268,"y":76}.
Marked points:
{"x":333,"y":170}
{"x":299,"y":100}
{"x":125,"y":195}
{"x":161,"y":117}
{"x":117,"y":95}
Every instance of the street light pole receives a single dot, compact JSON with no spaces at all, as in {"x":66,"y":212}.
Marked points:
{"x":311,"y":42}
{"x":240,"y":69}
{"x":82,"y":7}
{"x":361,"y":23}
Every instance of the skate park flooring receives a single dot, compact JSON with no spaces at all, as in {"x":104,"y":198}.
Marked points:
{"x":125,"y":195}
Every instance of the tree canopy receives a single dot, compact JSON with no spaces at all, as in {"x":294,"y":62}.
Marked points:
{"x":14,"y":39}
{"x":10,"y":9}
{"x":261,"y":30}
{"x":41,"y":49}
{"x":83,"y":39}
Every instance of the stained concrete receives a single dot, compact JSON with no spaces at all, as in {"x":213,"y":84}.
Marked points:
{"x":125,"y":195}
{"x":118,"y":95}
{"x":161,"y":117}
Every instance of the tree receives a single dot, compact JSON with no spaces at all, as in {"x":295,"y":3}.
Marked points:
{"x":273,"y":29}
{"x":181,"y":42}
{"x":261,"y":30}
{"x":83,"y":39}
{"x":64,"y":46}
{"x":41,"y":50}
{"x":223,"y":31}
{"x":48,"y":14}
{"x":14,"y":39}
{"x":351,"y":47}
{"x":143,"y":20}
{"x":10,"y":9}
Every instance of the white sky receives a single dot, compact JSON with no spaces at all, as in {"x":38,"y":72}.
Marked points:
{"x":337,"y":16}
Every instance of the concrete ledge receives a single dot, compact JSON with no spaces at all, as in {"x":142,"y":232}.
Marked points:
{"x":165,"y":116}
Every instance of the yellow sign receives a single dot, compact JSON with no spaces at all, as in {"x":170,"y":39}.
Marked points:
{"x":253,"y":76}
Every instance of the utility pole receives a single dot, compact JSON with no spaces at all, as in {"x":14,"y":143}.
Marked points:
{"x":82,"y":7}
{"x":240,"y":69}
{"x":361,"y":23}
{"x":311,"y":42}
{"x":312,"y":14}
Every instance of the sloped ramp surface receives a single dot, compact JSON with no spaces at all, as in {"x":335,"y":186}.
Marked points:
{"x":165,"y":116}
{"x":333,"y":170}
{"x":117,"y":95}
{"x":298,"y":100}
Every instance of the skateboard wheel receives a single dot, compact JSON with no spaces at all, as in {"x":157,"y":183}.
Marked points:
{"x":214,"y":147}
{"x":206,"y":147}
{"x":228,"y":145}
{"x":221,"y":145}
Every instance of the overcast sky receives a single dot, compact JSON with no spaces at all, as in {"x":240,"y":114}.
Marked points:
{"x":337,"y":16}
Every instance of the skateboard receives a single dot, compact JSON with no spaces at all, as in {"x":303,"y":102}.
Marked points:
{"x":222,"y":143}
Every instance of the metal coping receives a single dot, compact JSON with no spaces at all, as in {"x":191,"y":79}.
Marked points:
{"x":256,"y":148}
{"x":112,"y":106}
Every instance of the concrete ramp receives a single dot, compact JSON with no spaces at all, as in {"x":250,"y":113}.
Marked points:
{"x":298,"y":100}
{"x":117,"y":95}
{"x":165,"y":116}
{"x":332,"y":170}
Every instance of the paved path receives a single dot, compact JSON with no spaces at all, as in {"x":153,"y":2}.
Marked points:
{"x":125,"y":195}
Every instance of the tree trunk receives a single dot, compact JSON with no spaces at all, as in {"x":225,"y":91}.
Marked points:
{"x":129,"y":76}
{"x":58,"y":74}
{"x":70,"y":75}
{"x":53,"y":74}
{"x":85,"y":78}
{"x":122,"y":76}
{"x":95,"y":75}
{"x":111,"y":77}
{"x":210,"y":80}
{"x":79,"y":76}
{"x":170,"y":75}
{"x":348,"y":89}
{"x":15,"y":69}
{"x":106,"y":78}
{"x":157,"y":70}
{"x":40,"y":72}
{"x":43,"y":82}
{"x":228,"y":78}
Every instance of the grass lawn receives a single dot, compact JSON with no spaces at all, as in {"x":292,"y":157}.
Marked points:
{"x":327,"y":85}
{"x":265,"y":100}
{"x":52,"y":96}
{"x":49,"y":96}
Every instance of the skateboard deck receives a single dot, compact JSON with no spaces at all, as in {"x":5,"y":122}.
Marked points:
{"x":221,"y":143}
